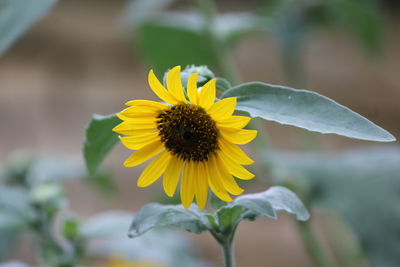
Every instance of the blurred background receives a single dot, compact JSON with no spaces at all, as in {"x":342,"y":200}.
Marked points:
{"x":86,"y":57}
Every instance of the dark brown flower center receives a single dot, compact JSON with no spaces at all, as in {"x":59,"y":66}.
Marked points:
{"x":188,"y":132}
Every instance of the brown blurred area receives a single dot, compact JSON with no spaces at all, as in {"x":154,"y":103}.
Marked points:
{"x":78,"y":61}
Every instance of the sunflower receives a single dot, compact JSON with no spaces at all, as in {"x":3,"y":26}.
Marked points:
{"x":191,"y":136}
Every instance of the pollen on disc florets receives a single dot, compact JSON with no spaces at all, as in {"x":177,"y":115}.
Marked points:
{"x":188,"y":132}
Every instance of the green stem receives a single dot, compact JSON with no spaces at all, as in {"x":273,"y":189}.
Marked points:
{"x":223,"y":60}
{"x":295,"y":76}
{"x":293,"y":70}
{"x":292,"y":62}
{"x":225,"y":240}
{"x":312,"y":244}
{"x":227,"y":250}
{"x":226,"y":67}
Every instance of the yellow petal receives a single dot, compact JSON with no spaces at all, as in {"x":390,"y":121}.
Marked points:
{"x":154,"y":170}
{"x":160,"y":90}
{"x":240,"y":137}
{"x":144,"y":154}
{"x":147,"y":104}
{"x":214,"y":180}
{"x":138,"y":114}
{"x":192,"y":89}
{"x":187,"y":192}
{"x":201,"y":186}
{"x":137,"y":142}
{"x":235,"y":169}
{"x":227,"y":179}
{"x":207,"y":94}
{"x":141,"y":111}
{"x":222,"y":109}
{"x":174,"y":84}
{"x":171,"y":176}
{"x":130,"y":127}
{"x":144,"y":109}
{"x":234,"y":152}
{"x":138,"y":132}
{"x":236,"y":122}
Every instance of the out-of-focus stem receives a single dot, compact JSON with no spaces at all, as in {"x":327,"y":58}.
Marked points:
{"x":223,"y":60}
{"x":225,"y":63}
{"x":312,"y":244}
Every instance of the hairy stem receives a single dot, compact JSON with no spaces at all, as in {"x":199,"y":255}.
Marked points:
{"x":229,"y":258}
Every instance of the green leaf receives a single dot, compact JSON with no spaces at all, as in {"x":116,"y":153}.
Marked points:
{"x":71,"y":228}
{"x":155,"y":215}
{"x":304,"y":109}
{"x":100,"y":139}
{"x":228,"y":217}
{"x":205,"y":74}
{"x":267,"y":203}
{"x":17,"y":16}
{"x":222,"y":84}
{"x":182,"y":42}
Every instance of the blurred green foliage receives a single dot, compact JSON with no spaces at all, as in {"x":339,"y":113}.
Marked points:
{"x":17,"y":16}
{"x":363,"y":185}
{"x":293,"y":20}
{"x":33,"y":204}
{"x":181,"y":44}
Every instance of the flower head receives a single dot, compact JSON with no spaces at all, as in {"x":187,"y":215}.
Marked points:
{"x":191,"y":136}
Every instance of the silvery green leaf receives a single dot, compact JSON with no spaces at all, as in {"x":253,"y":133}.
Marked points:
{"x":277,"y":197}
{"x":264,"y":204}
{"x":222,"y":84}
{"x":205,"y":74}
{"x":15,"y":200}
{"x":17,"y":16}
{"x":155,"y":215}
{"x":100,"y":139}
{"x":304,"y":109}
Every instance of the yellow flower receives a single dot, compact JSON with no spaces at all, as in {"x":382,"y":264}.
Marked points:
{"x":192,"y":135}
{"x":117,"y":261}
